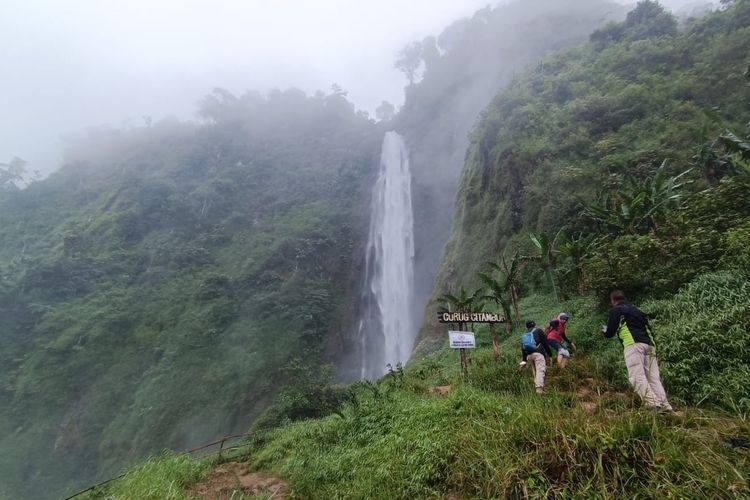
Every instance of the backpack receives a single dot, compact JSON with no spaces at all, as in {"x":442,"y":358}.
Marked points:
{"x":528,"y":343}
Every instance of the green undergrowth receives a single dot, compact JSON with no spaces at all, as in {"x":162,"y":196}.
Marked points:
{"x":161,"y":478}
{"x":491,"y":437}
{"x":702,"y":337}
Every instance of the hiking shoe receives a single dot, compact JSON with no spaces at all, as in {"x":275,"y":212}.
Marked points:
{"x":540,"y":390}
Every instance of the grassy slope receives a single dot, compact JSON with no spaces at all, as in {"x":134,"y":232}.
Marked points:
{"x":492,"y":437}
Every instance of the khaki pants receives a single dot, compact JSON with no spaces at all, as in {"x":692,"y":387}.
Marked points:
{"x":539,"y":367}
{"x":643,"y":373}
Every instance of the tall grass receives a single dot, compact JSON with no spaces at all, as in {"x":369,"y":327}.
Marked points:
{"x":493,"y":438}
{"x":159,"y":478}
{"x":702,"y":336}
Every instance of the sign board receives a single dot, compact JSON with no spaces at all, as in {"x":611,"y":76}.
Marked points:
{"x":475,"y":317}
{"x":462,"y":340}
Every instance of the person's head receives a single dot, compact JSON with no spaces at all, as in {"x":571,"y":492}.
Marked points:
{"x":554,"y":324}
{"x":563,"y":317}
{"x":530,"y":325}
{"x":616,"y":297}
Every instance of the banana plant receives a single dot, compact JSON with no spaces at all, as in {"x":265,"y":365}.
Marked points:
{"x":499,"y":293}
{"x":547,"y":258}
{"x":576,"y":250}
{"x":639,"y":205}
{"x":463,"y":302}
{"x":511,"y":275}
{"x":736,"y":145}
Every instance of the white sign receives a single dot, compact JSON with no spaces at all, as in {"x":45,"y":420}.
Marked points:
{"x":462,"y":340}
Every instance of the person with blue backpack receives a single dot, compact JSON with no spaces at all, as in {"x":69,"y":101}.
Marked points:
{"x":535,"y":348}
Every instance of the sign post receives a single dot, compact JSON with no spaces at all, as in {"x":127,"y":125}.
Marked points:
{"x":463,"y":340}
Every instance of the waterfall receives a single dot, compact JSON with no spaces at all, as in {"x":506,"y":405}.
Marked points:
{"x":386,"y":326}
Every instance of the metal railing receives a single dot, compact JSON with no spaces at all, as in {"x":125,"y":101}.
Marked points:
{"x":192,"y":453}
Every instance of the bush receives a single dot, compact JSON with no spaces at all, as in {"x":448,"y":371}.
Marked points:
{"x":478,"y":444}
{"x":702,"y":337}
{"x":160,"y":478}
{"x":307,"y":394}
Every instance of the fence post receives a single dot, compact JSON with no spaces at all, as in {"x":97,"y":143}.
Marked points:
{"x":221,"y":447}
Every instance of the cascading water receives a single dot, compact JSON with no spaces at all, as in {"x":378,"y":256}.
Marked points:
{"x":386,"y":327}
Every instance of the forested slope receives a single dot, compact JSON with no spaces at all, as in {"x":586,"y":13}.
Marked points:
{"x":566,"y":178}
{"x":572,"y":152}
{"x":461,"y":70}
{"x":156,"y":290}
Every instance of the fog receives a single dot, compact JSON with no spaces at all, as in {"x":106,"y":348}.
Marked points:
{"x":81,"y":63}
{"x":69,"y":65}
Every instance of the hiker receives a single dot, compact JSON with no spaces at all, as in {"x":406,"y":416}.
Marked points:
{"x":534,"y":348}
{"x":632,"y":329}
{"x":556,"y":336}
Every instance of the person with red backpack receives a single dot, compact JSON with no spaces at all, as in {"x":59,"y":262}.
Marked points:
{"x":556,"y":336}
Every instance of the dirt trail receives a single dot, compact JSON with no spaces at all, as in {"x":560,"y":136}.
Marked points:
{"x":229,"y":479}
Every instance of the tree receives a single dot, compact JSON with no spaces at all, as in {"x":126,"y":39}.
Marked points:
{"x":736,"y":146}
{"x":512,"y":278}
{"x":499,"y":294}
{"x":12,"y":173}
{"x":638,"y":206}
{"x":649,"y":19}
{"x":576,"y":250}
{"x":409,"y":60}
{"x":385,"y":112}
{"x":712,"y":163}
{"x":546,"y":257}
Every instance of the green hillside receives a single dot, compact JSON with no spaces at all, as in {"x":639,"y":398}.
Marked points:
{"x":157,"y":287}
{"x":179,"y":281}
{"x":490,"y":436}
{"x":167,"y":283}
{"x":572,"y":153}
{"x":566,"y":178}
{"x":463,"y":68}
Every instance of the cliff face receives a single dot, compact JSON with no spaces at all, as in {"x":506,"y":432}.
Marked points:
{"x":464,"y":67}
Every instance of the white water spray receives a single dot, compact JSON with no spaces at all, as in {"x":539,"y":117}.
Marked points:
{"x":386,"y":328}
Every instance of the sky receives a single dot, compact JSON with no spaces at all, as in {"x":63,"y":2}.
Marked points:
{"x":72,"y":64}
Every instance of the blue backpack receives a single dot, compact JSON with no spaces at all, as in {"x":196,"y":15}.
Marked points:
{"x":528,"y":343}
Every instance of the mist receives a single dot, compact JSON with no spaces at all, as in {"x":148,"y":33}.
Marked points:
{"x":78,"y":64}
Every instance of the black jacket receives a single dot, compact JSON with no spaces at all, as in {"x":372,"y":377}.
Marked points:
{"x":629,"y":324}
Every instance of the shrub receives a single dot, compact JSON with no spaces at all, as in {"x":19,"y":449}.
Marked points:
{"x":702,"y":337}
{"x":159,"y":478}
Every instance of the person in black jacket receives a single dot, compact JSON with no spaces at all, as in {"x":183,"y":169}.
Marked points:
{"x":631,"y":327}
{"x":535,"y":348}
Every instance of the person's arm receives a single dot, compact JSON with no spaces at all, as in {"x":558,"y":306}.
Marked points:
{"x":570,"y":342}
{"x":613,"y":324}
